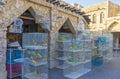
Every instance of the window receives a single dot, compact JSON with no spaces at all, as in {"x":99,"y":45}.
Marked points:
{"x":101,"y":17}
{"x":94,"y":18}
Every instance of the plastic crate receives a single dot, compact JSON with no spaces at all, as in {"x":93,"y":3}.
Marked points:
{"x":97,"y":61}
{"x":12,"y":54}
{"x":13,"y":69}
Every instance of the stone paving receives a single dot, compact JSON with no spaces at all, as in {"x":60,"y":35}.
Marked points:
{"x":110,"y":70}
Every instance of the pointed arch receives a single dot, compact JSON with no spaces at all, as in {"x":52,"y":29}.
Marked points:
{"x":32,"y":11}
{"x":69,"y":26}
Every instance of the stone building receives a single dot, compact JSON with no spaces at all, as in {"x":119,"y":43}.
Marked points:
{"x":104,"y":17}
{"x":58,"y":14}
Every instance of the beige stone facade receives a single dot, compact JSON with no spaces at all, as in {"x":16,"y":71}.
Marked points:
{"x":39,"y":9}
{"x":105,"y":17}
{"x":108,"y":9}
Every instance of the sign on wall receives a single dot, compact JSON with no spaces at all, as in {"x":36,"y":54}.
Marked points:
{"x":18,"y":25}
{"x":39,"y":19}
{"x":46,"y":24}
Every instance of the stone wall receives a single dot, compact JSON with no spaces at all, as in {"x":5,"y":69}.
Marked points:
{"x":95,"y":26}
{"x":114,"y":9}
{"x":2,"y":53}
{"x":109,"y":9}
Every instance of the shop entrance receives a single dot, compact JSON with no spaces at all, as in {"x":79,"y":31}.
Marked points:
{"x":27,"y":48}
{"x":116,"y":39}
{"x":71,"y":57}
{"x":115,"y":30}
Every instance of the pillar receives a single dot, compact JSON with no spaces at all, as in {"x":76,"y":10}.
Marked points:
{"x":3,"y":45}
{"x":52,"y":50}
{"x":52,"y":38}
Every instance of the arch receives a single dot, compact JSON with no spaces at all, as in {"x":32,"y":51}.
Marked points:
{"x":101,"y":17}
{"x":110,"y":23}
{"x":28,"y":21}
{"x":94,"y":18}
{"x":114,"y":27}
{"x":68,"y":25}
{"x":31,"y":10}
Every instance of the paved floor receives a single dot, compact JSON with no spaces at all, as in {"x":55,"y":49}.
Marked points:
{"x":110,"y":70}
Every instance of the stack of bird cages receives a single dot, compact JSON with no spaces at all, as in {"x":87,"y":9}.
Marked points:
{"x":73,"y":54}
{"x":104,"y":47}
{"x":34,"y":39}
{"x":109,"y":47}
{"x":35,"y":56}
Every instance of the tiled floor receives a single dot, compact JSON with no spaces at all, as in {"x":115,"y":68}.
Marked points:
{"x":110,"y":70}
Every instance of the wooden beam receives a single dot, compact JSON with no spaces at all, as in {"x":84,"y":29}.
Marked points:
{"x":27,"y":18}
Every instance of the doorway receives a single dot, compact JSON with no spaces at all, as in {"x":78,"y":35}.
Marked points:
{"x":27,"y":50}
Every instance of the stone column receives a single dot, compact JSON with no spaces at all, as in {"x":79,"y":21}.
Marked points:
{"x":52,"y":38}
{"x":3,"y":44}
{"x":52,"y":50}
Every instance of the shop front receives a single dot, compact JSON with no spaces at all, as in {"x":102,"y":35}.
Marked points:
{"x":38,"y":41}
{"x":27,"y":48}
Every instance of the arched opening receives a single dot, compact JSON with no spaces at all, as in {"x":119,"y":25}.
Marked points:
{"x":94,"y":18}
{"x":67,"y":27}
{"x":114,"y":28}
{"x":68,"y":49}
{"x":27,"y":45}
{"x":101,"y":17}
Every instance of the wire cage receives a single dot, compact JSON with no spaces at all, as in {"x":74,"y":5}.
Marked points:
{"x":34,"y":39}
{"x":109,"y":47}
{"x":35,"y":56}
{"x":64,"y":36}
{"x":74,"y":54}
{"x":104,"y":44}
{"x":35,"y":64}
